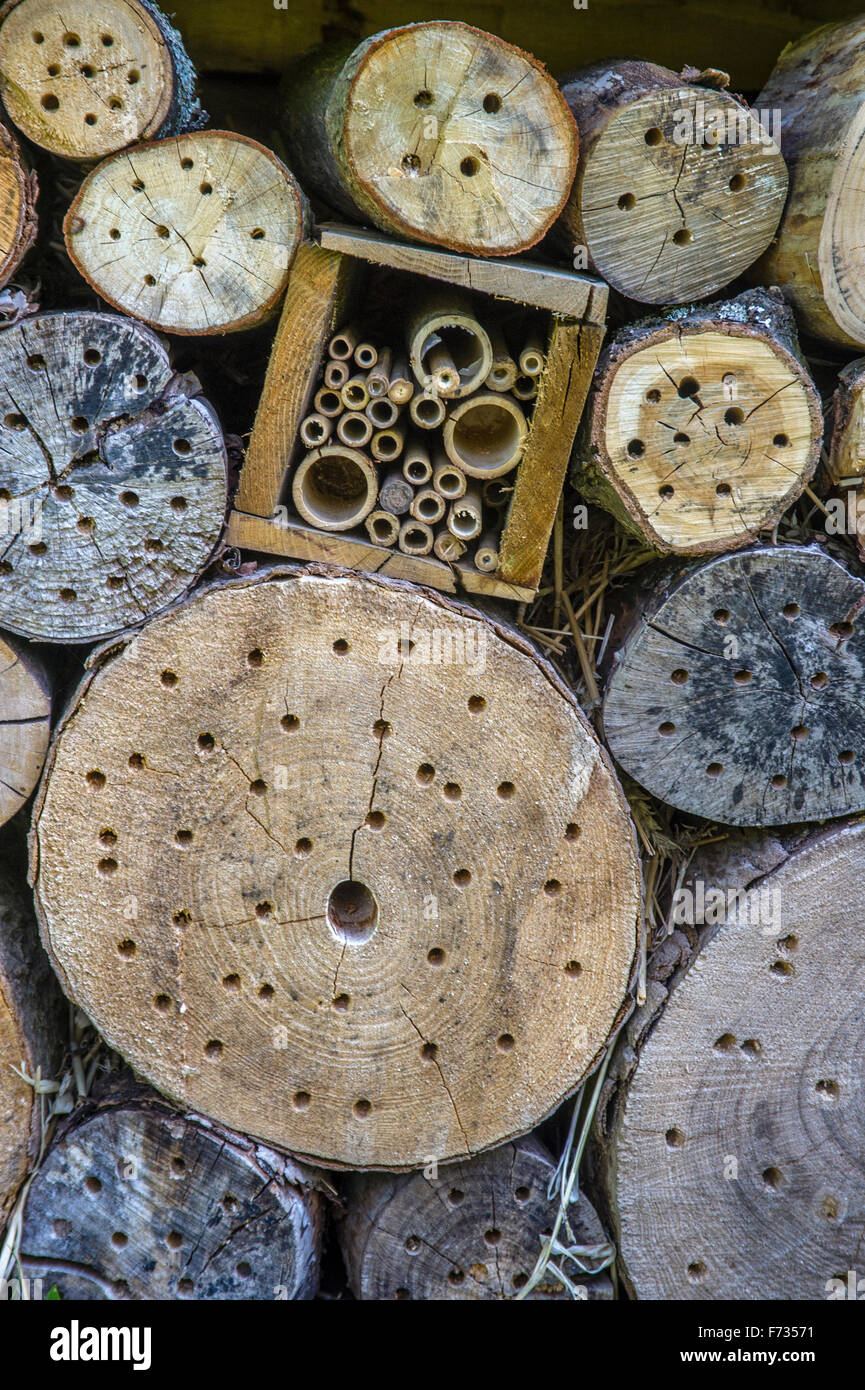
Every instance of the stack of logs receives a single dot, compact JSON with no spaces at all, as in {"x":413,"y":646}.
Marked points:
{"x":332,"y":872}
{"x":425,"y":436}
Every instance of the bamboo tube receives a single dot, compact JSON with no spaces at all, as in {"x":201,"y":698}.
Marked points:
{"x":382,"y":412}
{"x":532,"y":355}
{"x":328,"y":403}
{"x":396,"y":494}
{"x":465,"y":517}
{"x":387,"y":445}
{"x":335,"y":375}
{"x":496,"y":493}
{"x":525,"y":388}
{"x":401,"y":387}
{"x":316,"y":429}
{"x":354,"y":429}
{"x":415,"y":538}
{"x":342,"y":344}
{"x":485,"y":435}
{"x":443,"y":334}
{"x":427,"y":412}
{"x":378,"y":378}
{"x":448,"y":480}
{"x":382,"y":527}
{"x":428,"y":506}
{"x":334,"y":488}
{"x":503,"y":372}
{"x":486,"y":557}
{"x":416,"y":463}
{"x":366,"y":356}
{"x":448,"y":547}
{"x":354,"y":394}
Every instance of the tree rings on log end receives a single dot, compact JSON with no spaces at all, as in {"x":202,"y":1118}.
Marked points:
{"x":114,"y":473}
{"x":18,"y":190}
{"x":138,"y":1202}
{"x":88,"y":77}
{"x":25,"y":724}
{"x":737,"y":695}
{"x":161,"y":232}
{"x":734,"y":1165}
{"x":341,"y":865}
{"x":473,"y":1231}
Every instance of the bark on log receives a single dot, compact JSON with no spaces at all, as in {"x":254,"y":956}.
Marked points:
{"x":444,"y":158}
{"x":845,"y":461}
{"x":735,"y":690}
{"x":135,"y":1201}
{"x":474,"y":1231}
{"x":730,"y":1141}
{"x":703,"y":427}
{"x":33,"y":1026}
{"x":817,"y":255}
{"x":18,"y":192}
{"x":25,"y":724}
{"x":417,"y":949}
{"x":667,"y":212}
{"x":121,"y":467}
{"x":193,"y":235}
{"x":89,"y":77}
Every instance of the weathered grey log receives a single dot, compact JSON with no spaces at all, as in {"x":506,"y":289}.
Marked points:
{"x":115,"y":469}
{"x":137,"y":1201}
{"x":735,"y":687}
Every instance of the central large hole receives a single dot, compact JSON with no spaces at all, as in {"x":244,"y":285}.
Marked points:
{"x":352,"y":911}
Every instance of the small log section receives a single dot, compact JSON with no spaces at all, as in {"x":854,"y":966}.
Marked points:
{"x":444,"y":158}
{"x":381,"y":889}
{"x":116,"y":470}
{"x":33,"y":1025}
{"x":845,"y":463}
{"x":732,"y":1154}
{"x":18,"y":191}
{"x":162,"y":232}
{"x":321,"y":290}
{"x":87,"y":78}
{"x":474,"y":1231}
{"x":817,"y":256}
{"x":679,"y":188}
{"x":135,"y":1201}
{"x":25,"y":724}
{"x":703,"y":427}
{"x":735,"y":688}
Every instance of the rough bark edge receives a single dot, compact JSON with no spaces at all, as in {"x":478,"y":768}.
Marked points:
{"x":763,"y":314}
{"x":100,"y":657}
{"x":303,"y":214}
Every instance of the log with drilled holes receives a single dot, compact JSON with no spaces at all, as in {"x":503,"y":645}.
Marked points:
{"x":33,"y":1026}
{"x":193,"y":235}
{"x":732,"y":1154}
{"x":445,"y":158}
{"x":25,"y":723}
{"x":123,"y":470}
{"x":679,"y":187}
{"x":703,"y":427}
{"x":18,"y":192}
{"x":472,"y":1231}
{"x":735,"y":689}
{"x":135,"y":1201}
{"x":817,"y":257}
{"x":384,"y":885}
{"x":87,"y":77}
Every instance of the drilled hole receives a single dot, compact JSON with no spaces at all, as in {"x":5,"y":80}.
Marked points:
{"x":666,"y":728}
{"x":469,"y":166}
{"x":780,"y":441}
{"x":436,"y":956}
{"x":773,"y":1177}
{"x":133,"y":76}
{"x":688,"y":387}
{"x":791,"y":611}
{"x":162,"y":1003}
{"x":462,"y":877}
{"x":696,"y":1271}
{"x":169,"y":678}
{"x":126,"y":948}
{"x":263,"y":910}
{"x":93,"y":1184}
{"x":231,"y":983}
{"x":429,"y":1052}
{"x":423,"y":98}
{"x":95,"y":779}
{"x":828,"y":1090}
{"x":573,"y":969}
{"x":842,"y":629}
{"x":627,"y":201}
{"x":636,"y":448}
{"x":654,"y":136}
{"x":352,"y":911}
{"x":675,"y":1138}
{"x":50,"y":102}
{"x":452,"y":791}
{"x":505,"y":1042}
{"x":800,"y":731}
{"x":743,"y":677}
{"x":752,"y":1047}
{"x":782,"y":968}
{"x":301,"y":1099}
{"x":666,"y":492}
{"x":681,"y":438}
{"x":679,"y":676}
{"x":266,"y":993}
{"x":303,"y":847}
{"x":714,"y":770}
{"x":340,"y":647}
{"x":376,"y":820}
{"x":846,"y":756}
{"x":492,"y":103}
{"x":725,"y":1043}
{"x":734,"y":416}
{"x":179,"y":504}
{"x":213,"y":1049}
{"x":361,"y":1109}
{"x":737,"y":183}
{"x":779,"y":781}
{"x":505,"y":790}
{"x":255,"y":658}
{"x":425,"y":774}
{"x":183,"y":839}
{"x":819,"y":680}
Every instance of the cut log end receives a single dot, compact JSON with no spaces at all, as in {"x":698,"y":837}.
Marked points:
{"x":735,"y":695}
{"x":423,"y":945}
{"x":87,"y":78}
{"x":159,"y":233}
{"x":18,"y":189}
{"x":137,"y":1202}
{"x":25,"y":724}
{"x":116,"y":477}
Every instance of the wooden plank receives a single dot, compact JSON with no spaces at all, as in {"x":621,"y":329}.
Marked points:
{"x":571,"y":358}
{"x":300,"y":542}
{"x":545,"y":287}
{"x":317,"y":290}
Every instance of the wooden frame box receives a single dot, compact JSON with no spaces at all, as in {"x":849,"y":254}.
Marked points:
{"x":323,"y":280}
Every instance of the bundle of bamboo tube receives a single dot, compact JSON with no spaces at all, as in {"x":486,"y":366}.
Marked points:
{"x":418,"y":442}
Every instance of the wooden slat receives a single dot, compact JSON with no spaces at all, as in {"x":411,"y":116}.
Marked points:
{"x":544,"y":287}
